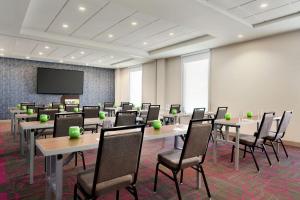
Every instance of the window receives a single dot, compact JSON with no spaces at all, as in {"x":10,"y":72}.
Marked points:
{"x":195,"y":74}
{"x":135,"y":85}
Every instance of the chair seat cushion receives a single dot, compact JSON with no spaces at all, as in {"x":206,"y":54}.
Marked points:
{"x":271,"y":135}
{"x":171,"y":159}
{"x":248,"y":139}
{"x":85,"y":180}
{"x":90,"y":127}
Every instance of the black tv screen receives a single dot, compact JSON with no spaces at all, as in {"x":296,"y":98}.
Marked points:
{"x":59,"y":81}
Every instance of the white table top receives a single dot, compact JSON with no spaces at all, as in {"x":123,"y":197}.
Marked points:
{"x":237,"y":122}
{"x":63,"y":145}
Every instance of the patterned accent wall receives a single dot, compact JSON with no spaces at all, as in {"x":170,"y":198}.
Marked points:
{"x":18,"y":84}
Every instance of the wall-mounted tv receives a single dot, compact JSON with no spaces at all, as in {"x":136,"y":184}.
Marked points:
{"x":59,"y":81}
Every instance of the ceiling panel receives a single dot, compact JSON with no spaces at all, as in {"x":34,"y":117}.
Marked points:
{"x":24,"y":47}
{"x":41,"y":12}
{"x":229,"y":4}
{"x":61,"y":51}
{"x":111,"y":14}
{"x":72,"y":16}
{"x":125,"y":27}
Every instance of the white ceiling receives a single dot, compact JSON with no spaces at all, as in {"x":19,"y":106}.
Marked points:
{"x":102,"y":34}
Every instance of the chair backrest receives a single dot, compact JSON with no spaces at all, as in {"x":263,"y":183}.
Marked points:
{"x":124,"y":103}
{"x":265,"y":126}
{"x":145,"y":106}
{"x":198,"y":113}
{"x":118,"y":153}
{"x":27,"y":104}
{"x":62,"y":122}
{"x":197,"y":139}
{"x":126,"y":107}
{"x":221,"y":112}
{"x":126,"y":118}
{"x":176,"y":107}
{"x":46,"y":111}
{"x":35,"y":107}
{"x":108,"y":104}
{"x":70,"y":107}
{"x":284,"y":123}
{"x":153,"y":113}
{"x":91,"y":111}
{"x":55,"y":104}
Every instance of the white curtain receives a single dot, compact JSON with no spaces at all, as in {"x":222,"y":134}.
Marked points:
{"x":135,"y":85}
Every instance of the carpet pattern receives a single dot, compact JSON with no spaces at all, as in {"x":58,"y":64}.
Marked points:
{"x":281,"y":181}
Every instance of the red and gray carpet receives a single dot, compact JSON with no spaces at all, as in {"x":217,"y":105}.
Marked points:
{"x":281,"y":181}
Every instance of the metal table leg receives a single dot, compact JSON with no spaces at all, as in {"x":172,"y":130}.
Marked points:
{"x":237,"y":148}
{"x":199,"y":179}
{"x":278,"y":144}
{"x":54,"y":176}
{"x":214,"y":135}
{"x":22,"y":139}
{"x":31,"y":156}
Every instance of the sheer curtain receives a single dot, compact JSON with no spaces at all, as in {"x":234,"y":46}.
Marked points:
{"x":135,"y":85}
{"x":195,"y":86}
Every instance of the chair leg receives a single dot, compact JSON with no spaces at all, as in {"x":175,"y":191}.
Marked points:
{"x":117,"y":195}
{"x":205,"y":181}
{"x":156,"y":177}
{"x":232,"y":152}
{"x":264,"y":148}
{"x":177,"y":185}
{"x":135,"y":193}
{"x":252,"y":153}
{"x":286,"y":154}
{"x":244,"y":156}
{"x":272,"y":144}
{"x":83,"y":160}
{"x":181,"y":176}
{"x":75,"y":191}
{"x":75,"y":159}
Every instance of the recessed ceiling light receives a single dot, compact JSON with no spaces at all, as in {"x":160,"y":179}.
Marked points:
{"x":134,"y":23}
{"x":41,"y":53}
{"x":171,"y":34}
{"x":61,"y":61}
{"x":72,"y":57}
{"x":47,"y":47}
{"x":27,"y":57}
{"x":264,"y":5}
{"x":86,"y":64}
{"x":82,"y":52}
{"x":240,"y":36}
{"x":110,"y":35}
{"x":99,"y":61}
{"x":65,"y":26}
{"x":1,"y":49}
{"x":145,"y":43}
{"x":1,"y":54}
{"x":81,"y":8}
{"x":111,"y":57}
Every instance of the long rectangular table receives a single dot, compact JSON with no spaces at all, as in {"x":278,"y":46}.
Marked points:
{"x":54,"y":148}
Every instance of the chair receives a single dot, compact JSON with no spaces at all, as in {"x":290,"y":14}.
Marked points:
{"x":276,"y":137}
{"x":91,"y":112}
{"x":70,"y":107}
{"x":126,"y":107}
{"x":109,"y":105}
{"x":62,"y":123}
{"x":56,"y":104}
{"x":192,"y":155}
{"x":198,"y":113}
{"x":116,"y":168}
{"x":28,"y":105}
{"x":51,"y":113}
{"x":221,"y":111}
{"x":153,"y":114}
{"x":176,"y":107}
{"x":124,"y":103}
{"x":126,"y":118}
{"x":145,"y":106}
{"x":256,"y":140}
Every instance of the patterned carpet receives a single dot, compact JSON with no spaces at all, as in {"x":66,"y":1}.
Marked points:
{"x":281,"y":181}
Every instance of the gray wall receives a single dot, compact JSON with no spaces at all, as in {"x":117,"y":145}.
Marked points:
{"x":18,"y":84}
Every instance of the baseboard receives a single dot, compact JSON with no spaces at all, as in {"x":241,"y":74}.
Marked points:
{"x":291,"y":143}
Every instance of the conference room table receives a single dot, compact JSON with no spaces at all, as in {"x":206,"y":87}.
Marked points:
{"x":235,"y":123}
{"x":54,"y":148}
{"x":13,"y":112}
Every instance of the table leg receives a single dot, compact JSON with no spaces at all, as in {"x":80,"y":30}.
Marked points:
{"x":214,"y":135}
{"x":237,"y":148}
{"x":227,"y":132}
{"x":22,"y":138}
{"x":14,"y":126}
{"x":59,"y":177}
{"x":31,"y":156}
{"x":278,"y":145}
{"x":199,"y":179}
{"x":54,"y":176}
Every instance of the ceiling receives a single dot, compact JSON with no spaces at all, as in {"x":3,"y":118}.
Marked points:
{"x":120,"y":33}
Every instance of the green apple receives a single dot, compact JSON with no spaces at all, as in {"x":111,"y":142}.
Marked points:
{"x":249,"y":115}
{"x":174,"y":111}
{"x":102,"y":115}
{"x":75,"y":131}
{"x":156,"y":124}
{"x":228,"y":116}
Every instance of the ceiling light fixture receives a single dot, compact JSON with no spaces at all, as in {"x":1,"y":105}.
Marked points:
{"x":72,"y":57}
{"x":171,"y":34}
{"x":65,"y":26}
{"x":1,"y":54}
{"x":264,"y":5}
{"x":134,"y":23}
{"x":111,"y":57}
{"x":82,"y":52}
{"x":27,"y":57}
{"x":47,"y":47}
{"x":1,"y":49}
{"x":81,"y":8}
{"x":110,"y":35}
{"x":145,"y":43}
{"x":240,"y":36}
{"x":99,"y":61}
{"x":86,"y":64}
{"x":61,"y":61}
{"x":41,"y":53}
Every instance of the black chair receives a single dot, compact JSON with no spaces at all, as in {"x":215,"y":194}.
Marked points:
{"x":192,"y":155}
{"x":124,"y":103}
{"x":126,"y":118}
{"x":176,"y":107}
{"x":198,"y":113}
{"x":116,"y":168}
{"x":276,"y":137}
{"x":91,"y":112}
{"x":56,"y":104}
{"x":28,"y":105}
{"x":126,"y":107}
{"x":109,"y":105}
{"x":153,"y":114}
{"x":62,"y":123}
{"x":221,"y":111}
{"x":70,"y":107}
{"x":256,"y":140}
{"x":145,"y":106}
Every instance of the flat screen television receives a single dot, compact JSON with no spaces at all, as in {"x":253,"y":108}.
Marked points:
{"x":59,"y":81}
